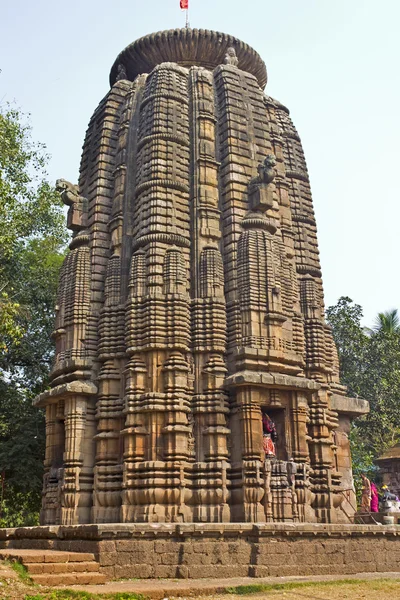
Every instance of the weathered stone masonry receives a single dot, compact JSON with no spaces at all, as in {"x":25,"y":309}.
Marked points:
{"x":190,"y":302}
{"x":220,"y":550}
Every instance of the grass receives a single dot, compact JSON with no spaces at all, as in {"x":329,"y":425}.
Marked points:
{"x":241,"y":590}
{"x":256,"y":588}
{"x":79,"y":595}
{"x":21,"y":571}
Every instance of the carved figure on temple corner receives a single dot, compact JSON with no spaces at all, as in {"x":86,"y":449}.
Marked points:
{"x":231,"y":58}
{"x":69,"y":191}
{"x":121,"y":72}
{"x":78,"y":204}
{"x":266,"y":170}
{"x":262,"y":196}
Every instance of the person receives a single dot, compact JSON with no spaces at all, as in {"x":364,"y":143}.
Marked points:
{"x":366,"y":494}
{"x":269,"y":436}
{"x":374,"y":498}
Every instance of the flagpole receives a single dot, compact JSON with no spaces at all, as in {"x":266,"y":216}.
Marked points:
{"x":184,"y":4}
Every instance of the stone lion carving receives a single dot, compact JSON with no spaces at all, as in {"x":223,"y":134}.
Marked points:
{"x":261,"y":194}
{"x":69,"y":192}
{"x":231,"y":58}
{"x":121,"y":73}
{"x":78,"y":204}
{"x":266,"y":170}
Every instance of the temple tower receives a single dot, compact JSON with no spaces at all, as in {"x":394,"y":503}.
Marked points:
{"x":190,"y":312}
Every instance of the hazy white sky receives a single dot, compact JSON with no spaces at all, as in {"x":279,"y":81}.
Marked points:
{"x":334,"y":63}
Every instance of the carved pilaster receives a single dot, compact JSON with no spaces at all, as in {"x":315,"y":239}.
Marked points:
{"x":75,"y":495}
{"x":208,"y":310}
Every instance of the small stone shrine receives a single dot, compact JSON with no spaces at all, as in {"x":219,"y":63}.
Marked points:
{"x":389,"y":466}
{"x":195,"y":379}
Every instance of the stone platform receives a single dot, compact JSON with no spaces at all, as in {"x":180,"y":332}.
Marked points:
{"x":220,"y":550}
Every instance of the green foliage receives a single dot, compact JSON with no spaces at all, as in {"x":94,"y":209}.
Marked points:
{"x":256,"y":588}
{"x":351,"y":341}
{"x":32,"y":247}
{"x":31,"y":217}
{"x":362,"y":459}
{"x":388,"y":321}
{"x":370,"y":368}
{"x":22,"y":572}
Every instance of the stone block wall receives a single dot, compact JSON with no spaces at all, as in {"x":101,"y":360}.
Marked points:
{"x":221,"y":551}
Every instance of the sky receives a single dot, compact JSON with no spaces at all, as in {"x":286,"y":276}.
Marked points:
{"x":334,"y":63}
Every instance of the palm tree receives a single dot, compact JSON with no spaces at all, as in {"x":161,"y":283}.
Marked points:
{"x":388,"y":322}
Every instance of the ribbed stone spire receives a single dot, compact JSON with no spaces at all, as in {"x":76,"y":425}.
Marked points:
{"x":190,"y":313}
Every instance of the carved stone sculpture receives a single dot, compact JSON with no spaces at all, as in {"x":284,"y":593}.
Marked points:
{"x":191,"y":303}
{"x":121,"y":73}
{"x":78,"y":205}
{"x":266,"y":171}
{"x":231,"y":58}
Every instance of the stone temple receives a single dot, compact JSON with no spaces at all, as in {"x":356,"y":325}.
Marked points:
{"x":190,"y":313}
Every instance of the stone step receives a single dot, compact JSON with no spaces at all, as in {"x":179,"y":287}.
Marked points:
{"x":51,"y":579}
{"x":45,"y":556}
{"x":67,"y":567}
{"x":53,"y":567}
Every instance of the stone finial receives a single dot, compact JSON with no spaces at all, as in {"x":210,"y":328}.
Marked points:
{"x":231,"y":58}
{"x":77,"y":214}
{"x":121,"y":72}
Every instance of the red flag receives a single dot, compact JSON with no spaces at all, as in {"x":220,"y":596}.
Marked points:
{"x":184,"y":4}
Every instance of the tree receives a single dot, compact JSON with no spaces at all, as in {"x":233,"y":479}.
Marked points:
{"x":351,"y":341}
{"x":388,"y":321}
{"x":32,"y":246}
{"x":370,"y":368}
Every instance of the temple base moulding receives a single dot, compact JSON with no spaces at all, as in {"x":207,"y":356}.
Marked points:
{"x":220,"y":550}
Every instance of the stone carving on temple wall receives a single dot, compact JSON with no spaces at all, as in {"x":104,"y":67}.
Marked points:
{"x":77,"y":213}
{"x":231,"y":58}
{"x":121,"y":72}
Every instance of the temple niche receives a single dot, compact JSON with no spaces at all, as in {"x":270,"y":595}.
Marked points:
{"x":195,"y":379}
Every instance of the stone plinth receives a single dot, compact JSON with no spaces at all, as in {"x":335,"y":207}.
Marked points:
{"x":221,"y":550}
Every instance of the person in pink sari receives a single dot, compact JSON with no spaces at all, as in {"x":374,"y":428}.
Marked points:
{"x":374,"y":506}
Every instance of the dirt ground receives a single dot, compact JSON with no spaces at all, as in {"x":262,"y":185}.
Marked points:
{"x":10,"y":586}
{"x":382,"y":589}
{"x":373,"y":586}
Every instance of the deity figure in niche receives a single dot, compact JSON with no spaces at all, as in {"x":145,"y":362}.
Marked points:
{"x":269,"y":436}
